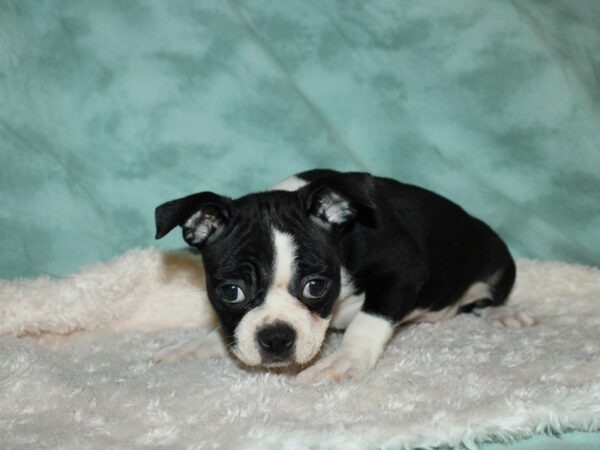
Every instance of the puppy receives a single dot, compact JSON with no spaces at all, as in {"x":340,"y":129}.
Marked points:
{"x":325,"y":249}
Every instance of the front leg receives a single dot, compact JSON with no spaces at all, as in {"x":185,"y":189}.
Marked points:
{"x":363,"y":344}
{"x":367,"y":334}
{"x":210,"y":345}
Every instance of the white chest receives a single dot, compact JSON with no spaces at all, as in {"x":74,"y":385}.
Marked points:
{"x":348,"y":304}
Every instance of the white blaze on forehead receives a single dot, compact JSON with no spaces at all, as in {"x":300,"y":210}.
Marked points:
{"x":280,"y":306}
{"x":284,"y":257}
{"x":289,"y":184}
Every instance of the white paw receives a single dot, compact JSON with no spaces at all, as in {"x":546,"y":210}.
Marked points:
{"x":340,"y":365}
{"x":203,"y":347}
{"x":508,"y":317}
{"x":49,"y":341}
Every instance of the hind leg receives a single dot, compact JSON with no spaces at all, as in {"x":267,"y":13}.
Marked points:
{"x":493,"y":307}
{"x":508,"y":316}
{"x":495,"y":291}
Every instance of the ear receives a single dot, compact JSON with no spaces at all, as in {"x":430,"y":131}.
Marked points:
{"x":199,"y":215}
{"x":339,"y":199}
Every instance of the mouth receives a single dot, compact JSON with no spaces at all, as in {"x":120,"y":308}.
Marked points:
{"x":277,"y":364}
{"x":273,"y":363}
{"x":268,"y":363}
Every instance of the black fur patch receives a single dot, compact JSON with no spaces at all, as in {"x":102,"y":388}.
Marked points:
{"x":404,"y":247}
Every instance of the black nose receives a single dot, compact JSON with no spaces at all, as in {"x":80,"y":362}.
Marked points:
{"x":277,"y":339}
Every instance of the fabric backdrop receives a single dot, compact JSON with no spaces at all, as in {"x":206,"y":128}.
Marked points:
{"x":108,"y":108}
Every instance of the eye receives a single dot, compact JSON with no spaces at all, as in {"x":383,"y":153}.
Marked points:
{"x":315,"y":288}
{"x":232,"y":293}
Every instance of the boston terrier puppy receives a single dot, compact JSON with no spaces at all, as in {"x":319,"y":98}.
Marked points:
{"x":325,"y":249}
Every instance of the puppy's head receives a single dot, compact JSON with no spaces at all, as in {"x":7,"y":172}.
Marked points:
{"x":271,"y":261}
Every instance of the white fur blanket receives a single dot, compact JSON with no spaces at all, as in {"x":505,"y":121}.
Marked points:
{"x":458,"y":381}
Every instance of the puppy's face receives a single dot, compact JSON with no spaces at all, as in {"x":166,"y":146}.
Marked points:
{"x":273,"y":281}
{"x":272,"y":267}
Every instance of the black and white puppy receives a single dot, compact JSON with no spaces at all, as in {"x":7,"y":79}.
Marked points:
{"x":342,"y":250}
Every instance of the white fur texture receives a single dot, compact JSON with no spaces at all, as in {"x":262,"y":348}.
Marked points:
{"x":144,"y":290}
{"x":460,"y":380}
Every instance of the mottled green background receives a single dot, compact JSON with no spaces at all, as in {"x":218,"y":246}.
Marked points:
{"x":111,"y":107}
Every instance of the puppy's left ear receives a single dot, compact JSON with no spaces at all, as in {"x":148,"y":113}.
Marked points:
{"x":200,"y":216}
{"x":337,"y":200}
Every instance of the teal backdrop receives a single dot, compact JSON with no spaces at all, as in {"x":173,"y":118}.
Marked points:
{"x":109,"y":108}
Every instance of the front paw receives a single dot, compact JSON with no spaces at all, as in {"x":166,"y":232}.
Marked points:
{"x":343,"y":364}
{"x":197,"y":348}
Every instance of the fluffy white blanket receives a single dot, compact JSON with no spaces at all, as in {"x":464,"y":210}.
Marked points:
{"x":458,"y":381}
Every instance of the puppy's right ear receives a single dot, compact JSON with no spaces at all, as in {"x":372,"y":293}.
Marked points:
{"x":200,"y":216}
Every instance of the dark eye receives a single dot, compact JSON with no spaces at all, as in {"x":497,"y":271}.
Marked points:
{"x":232,"y":293}
{"x":315,"y":288}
